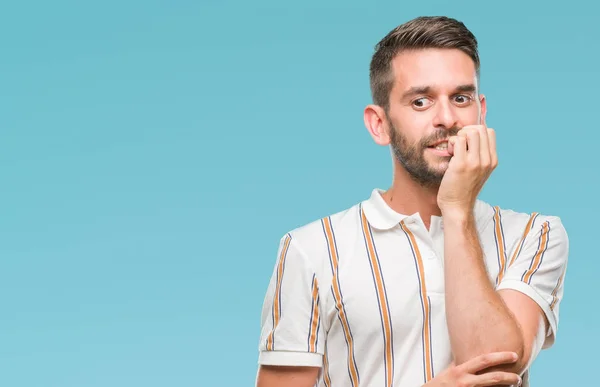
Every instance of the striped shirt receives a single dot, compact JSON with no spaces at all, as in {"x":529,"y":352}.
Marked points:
{"x":360,"y":293}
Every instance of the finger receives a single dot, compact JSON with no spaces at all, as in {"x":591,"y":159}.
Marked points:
{"x":488,"y":360}
{"x":492,"y":145}
{"x":451,"y":145}
{"x":496,"y":378}
{"x":473,"y":146}
{"x":459,"y":147}
{"x":485,"y":156}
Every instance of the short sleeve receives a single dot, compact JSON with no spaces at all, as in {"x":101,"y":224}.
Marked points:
{"x":291,"y":328}
{"x":537,"y":268}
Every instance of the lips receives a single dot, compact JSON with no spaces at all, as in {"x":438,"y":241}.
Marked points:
{"x":440,"y":145}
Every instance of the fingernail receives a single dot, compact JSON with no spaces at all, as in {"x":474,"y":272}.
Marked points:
{"x":520,"y":382}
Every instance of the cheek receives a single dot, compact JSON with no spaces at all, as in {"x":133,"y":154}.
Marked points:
{"x":413,"y":126}
{"x":469,"y":116}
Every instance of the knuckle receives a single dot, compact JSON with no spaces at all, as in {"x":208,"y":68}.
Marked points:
{"x":496,"y":378}
{"x":486,"y":360}
{"x":472,"y":166}
{"x":455,"y":372}
{"x":458,"y":375}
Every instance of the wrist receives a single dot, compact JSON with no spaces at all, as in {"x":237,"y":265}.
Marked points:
{"x":457,"y":216}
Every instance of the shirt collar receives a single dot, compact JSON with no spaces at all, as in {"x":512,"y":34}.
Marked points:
{"x":378,"y":213}
{"x":383,"y":217}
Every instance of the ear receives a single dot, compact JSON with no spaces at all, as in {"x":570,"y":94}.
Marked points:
{"x":377,"y":125}
{"x":483,"y":104}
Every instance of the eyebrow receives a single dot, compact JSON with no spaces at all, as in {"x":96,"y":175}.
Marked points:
{"x":416,"y":90}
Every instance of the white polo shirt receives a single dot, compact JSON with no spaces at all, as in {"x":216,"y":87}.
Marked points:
{"x":361,"y":293}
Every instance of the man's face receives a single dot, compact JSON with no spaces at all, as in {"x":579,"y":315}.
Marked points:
{"x":434,"y":95}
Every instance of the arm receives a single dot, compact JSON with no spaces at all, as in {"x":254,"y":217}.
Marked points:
{"x":481,"y":320}
{"x":521,"y":314}
{"x":533,"y":284}
{"x":276,"y":376}
{"x":292,"y":335}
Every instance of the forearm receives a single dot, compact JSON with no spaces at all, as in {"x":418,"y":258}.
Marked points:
{"x":478,"y":320}
{"x":289,"y":376}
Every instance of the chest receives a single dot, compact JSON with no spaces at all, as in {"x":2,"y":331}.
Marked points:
{"x":396,"y":278}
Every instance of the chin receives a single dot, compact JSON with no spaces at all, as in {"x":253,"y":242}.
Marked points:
{"x":439,"y":166}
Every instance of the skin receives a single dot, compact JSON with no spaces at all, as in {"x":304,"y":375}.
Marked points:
{"x":468,"y":374}
{"x":434,"y":97}
{"x":273,"y":376}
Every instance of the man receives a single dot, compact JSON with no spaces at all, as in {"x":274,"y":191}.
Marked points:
{"x":422,"y":284}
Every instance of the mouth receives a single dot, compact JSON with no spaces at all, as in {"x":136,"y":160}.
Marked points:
{"x":440,"y":145}
{"x":440,"y":148}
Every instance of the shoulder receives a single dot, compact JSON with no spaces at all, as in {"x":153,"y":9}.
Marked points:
{"x":307,"y":234}
{"x":520,"y":223}
{"x":315,"y":239}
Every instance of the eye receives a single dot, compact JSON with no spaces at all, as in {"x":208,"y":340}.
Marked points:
{"x":463,"y":99}
{"x":421,"y":103}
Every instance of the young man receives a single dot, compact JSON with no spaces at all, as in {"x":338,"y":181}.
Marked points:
{"x":422,"y":284}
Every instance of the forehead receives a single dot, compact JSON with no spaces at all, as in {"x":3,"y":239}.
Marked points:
{"x":436,"y":68}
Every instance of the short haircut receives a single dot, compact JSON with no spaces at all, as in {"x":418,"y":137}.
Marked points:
{"x":419,"y":33}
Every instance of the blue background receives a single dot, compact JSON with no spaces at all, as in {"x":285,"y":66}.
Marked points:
{"x":152,"y":154}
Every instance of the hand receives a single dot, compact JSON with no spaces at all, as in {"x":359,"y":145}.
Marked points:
{"x":468,"y":374}
{"x":473,"y":159}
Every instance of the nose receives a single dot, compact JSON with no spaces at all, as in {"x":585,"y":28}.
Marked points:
{"x":445,"y":116}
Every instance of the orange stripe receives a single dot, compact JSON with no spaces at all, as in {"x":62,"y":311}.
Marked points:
{"x":537,"y":260}
{"x":315,"y":317}
{"x":338,"y":301}
{"x":326,"y":377}
{"x":501,"y":247}
{"x":385,"y":313}
{"x":426,"y":307}
{"x":555,"y":291}
{"x":277,"y":300}
{"x":525,"y":232}
{"x":331,"y":243}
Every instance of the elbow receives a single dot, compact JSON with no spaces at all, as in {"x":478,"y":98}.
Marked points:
{"x":520,"y":366}
{"x":517,"y":346}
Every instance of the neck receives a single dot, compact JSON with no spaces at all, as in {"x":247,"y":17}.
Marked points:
{"x":406,"y":196}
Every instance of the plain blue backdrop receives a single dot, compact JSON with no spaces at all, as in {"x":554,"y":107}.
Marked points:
{"x":152,"y":153}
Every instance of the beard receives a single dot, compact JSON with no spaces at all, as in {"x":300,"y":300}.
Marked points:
{"x":412,"y":156}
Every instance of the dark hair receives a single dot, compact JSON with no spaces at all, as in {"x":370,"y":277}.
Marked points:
{"x":419,"y":33}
